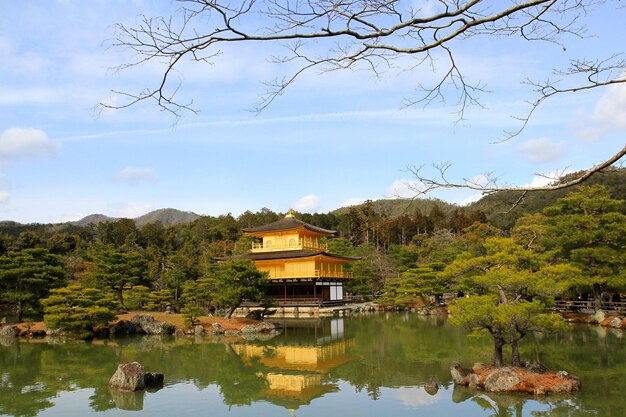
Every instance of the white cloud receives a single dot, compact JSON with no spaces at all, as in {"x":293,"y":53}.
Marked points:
{"x":471,"y":199}
{"x":414,"y":397}
{"x":541,"y":150}
{"x":17,"y":142}
{"x":4,"y":197}
{"x":132,"y":211}
{"x":541,"y":180}
{"x":133,"y":175}
{"x":403,"y":188}
{"x":426,"y":8}
{"x":353,"y":201}
{"x":307,"y":203}
{"x":609,"y":114}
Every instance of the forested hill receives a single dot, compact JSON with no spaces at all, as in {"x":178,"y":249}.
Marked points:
{"x":392,"y":208}
{"x":393,"y":220}
{"x":497,"y":206}
{"x":167,"y":217}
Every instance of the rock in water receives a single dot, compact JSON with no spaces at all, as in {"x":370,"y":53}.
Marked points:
{"x":501,"y":380}
{"x":9,"y":331}
{"x":128,"y":377}
{"x":431,"y":386}
{"x":460,"y":375}
{"x":153,"y":380}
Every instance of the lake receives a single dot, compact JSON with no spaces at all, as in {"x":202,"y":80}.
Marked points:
{"x":366,"y":365}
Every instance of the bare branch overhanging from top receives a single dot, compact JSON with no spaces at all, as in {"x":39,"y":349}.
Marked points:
{"x":371,"y":34}
{"x":366,"y":34}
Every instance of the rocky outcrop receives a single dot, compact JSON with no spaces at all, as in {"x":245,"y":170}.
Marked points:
{"x":9,"y":331}
{"x":141,"y":324}
{"x":260,"y":327}
{"x":149,"y":325}
{"x":460,"y":374}
{"x":502,"y":380}
{"x":514,"y":379}
{"x":132,"y":377}
{"x":128,"y":377}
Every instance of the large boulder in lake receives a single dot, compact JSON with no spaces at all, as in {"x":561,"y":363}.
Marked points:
{"x":459,"y":374}
{"x":132,"y":377}
{"x":128,"y":377}
{"x":501,"y":380}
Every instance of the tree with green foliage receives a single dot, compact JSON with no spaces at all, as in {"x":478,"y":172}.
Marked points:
{"x":196,"y":299}
{"x":588,"y":228}
{"x":26,"y":276}
{"x":137,"y":297}
{"x":118,"y":233}
{"x":78,"y":311}
{"x":371,"y":272}
{"x":159,"y":300}
{"x":509,"y":289}
{"x":117,"y":270}
{"x":236,"y":280}
{"x":415,"y":283}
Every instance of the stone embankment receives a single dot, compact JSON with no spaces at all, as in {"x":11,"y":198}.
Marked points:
{"x":340,"y":310}
{"x":248,"y":329}
{"x":534,"y":379}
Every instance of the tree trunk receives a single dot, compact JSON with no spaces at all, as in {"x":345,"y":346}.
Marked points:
{"x":597,"y":296}
{"x":230,"y":312}
{"x":516,"y":361}
{"x":498,"y":344}
{"x":19,"y":311}
{"x":120,"y":296}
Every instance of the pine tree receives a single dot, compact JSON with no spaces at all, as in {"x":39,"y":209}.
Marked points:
{"x":28,"y":275}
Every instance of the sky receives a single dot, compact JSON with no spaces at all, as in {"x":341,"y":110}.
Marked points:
{"x":331,"y":140}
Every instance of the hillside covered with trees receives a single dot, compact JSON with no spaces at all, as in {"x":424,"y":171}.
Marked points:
{"x":412,"y":252}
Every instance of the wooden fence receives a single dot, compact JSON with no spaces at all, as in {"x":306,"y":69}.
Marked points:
{"x":588,"y":306}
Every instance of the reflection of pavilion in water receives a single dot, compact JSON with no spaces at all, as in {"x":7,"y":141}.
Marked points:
{"x":297,"y":371}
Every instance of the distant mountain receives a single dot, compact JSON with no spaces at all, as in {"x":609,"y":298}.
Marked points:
{"x":94,"y":219}
{"x":168,"y":217}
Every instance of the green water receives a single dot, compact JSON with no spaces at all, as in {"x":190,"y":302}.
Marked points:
{"x":373,"y":365}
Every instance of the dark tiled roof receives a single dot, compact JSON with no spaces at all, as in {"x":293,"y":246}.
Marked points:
{"x":285,"y":254}
{"x":288,"y":223}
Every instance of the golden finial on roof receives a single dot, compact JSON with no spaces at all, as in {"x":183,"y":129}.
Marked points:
{"x":291,"y":213}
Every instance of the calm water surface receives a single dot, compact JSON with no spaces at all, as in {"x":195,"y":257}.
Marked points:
{"x":373,"y":365}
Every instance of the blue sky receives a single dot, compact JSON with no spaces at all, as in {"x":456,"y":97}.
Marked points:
{"x":332,"y":139}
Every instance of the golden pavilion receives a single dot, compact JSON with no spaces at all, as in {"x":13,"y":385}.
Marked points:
{"x":301,"y":271}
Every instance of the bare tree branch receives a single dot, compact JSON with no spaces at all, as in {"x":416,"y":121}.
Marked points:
{"x":372,"y":33}
{"x":332,"y":35}
{"x":488,"y":184}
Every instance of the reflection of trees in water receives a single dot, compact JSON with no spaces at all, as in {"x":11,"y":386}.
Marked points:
{"x":34,"y":373}
{"x":397,"y":351}
{"x":595,"y":354}
{"x":513,"y":405}
{"x":385,"y":351}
